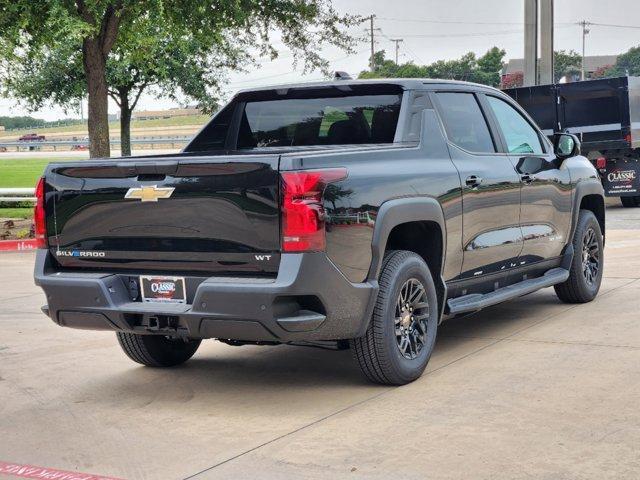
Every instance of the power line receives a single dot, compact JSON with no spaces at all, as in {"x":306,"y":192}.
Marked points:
{"x":267,"y":77}
{"x":412,"y":53}
{"x":462,"y":35}
{"x":449,"y":22}
{"x":612,"y":25}
{"x":472,"y":34}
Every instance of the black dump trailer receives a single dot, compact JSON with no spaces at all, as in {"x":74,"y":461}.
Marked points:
{"x":605,"y":114}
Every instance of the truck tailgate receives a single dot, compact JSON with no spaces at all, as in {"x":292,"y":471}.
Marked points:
{"x":217,"y":214}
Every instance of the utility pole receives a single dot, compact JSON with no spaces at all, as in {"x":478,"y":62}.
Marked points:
{"x":530,"y":42}
{"x":585,"y":31}
{"x":546,"y":67}
{"x":397,"y":41}
{"x":372,"y":65}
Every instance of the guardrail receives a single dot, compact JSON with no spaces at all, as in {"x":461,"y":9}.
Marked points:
{"x":17,"y":195}
{"x":85,"y":143}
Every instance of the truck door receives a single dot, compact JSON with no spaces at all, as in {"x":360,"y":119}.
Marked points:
{"x":545,"y":214}
{"x":492,"y":239}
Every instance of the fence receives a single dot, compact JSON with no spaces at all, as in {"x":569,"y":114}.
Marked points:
{"x":152,"y":141}
{"x":17,"y":195}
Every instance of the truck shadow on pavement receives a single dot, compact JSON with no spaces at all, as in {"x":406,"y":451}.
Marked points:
{"x":300,"y":377}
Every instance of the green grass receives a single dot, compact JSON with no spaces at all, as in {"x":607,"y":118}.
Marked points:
{"x":22,"y":212}
{"x":196,"y":120}
{"x":23,"y":172}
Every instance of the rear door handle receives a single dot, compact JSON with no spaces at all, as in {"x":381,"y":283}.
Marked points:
{"x":473,"y":181}
{"x":527,"y":178}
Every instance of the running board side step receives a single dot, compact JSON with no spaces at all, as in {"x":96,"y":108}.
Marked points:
{"x":478,"y":301}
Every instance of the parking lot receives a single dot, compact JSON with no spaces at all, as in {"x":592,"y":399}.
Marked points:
{"x":530,"y":389}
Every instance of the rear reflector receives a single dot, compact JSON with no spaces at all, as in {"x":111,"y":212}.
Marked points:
{"x":303,"y":215}
{"x":39,"y":216}
{"x":601,"y":163}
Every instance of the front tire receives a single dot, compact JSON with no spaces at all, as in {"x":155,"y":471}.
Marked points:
{"x":156,"y":350}
{"x":585,"y":274}
{"x":397,"y":345}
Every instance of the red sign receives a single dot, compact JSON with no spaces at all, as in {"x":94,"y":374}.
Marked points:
{"x":30,"y":471}
{"x":18,"y":245}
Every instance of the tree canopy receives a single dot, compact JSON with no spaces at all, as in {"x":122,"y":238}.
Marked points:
{"x":56,"y":51}
{"x":485,"y":69}
{"x":565,"y":62}
{"x":628,"y":64}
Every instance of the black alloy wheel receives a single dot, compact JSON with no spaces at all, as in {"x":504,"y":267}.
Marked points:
{"x":590,"y":256}
{"x":411,"y":319}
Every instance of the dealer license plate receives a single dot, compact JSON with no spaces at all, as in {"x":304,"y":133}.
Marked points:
{"x":163,"y":289}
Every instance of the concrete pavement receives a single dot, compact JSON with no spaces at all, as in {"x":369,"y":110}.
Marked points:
{"x":530,"y":389}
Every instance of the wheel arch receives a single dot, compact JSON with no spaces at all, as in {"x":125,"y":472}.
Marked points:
{"x":415,"y":224}
{"x":589,"y":196}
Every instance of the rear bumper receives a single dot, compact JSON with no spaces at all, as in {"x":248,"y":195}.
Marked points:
{"x":309,"y":300}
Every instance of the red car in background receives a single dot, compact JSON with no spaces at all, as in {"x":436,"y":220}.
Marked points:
{"x":31,"y":137}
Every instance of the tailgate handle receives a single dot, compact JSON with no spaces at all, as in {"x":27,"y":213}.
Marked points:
{"x":162,"y":168}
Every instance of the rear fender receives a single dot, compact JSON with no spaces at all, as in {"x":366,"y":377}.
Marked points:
{"x":405,"y":210}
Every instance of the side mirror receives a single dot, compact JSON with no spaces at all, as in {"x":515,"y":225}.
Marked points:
{"x":566,"y":145}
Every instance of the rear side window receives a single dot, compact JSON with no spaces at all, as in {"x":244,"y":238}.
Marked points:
{"x":464,"y":122}
{"x":364,"y":119}
{"x":520,"y":136}
{"x":214,"y":136}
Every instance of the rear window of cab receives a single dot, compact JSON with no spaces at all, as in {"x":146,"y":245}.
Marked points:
{"x":340,"y":115}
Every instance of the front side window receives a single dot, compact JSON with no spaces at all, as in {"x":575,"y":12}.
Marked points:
{"x":520,"y":136}
{"x":362,"y":119}
{"x":464,"y":122}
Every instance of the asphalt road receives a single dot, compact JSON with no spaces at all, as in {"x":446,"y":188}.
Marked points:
{"x":530,"y":389}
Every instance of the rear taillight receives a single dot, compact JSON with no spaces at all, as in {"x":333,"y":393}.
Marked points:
{"x":303,"y":216}
{"x":601,"y":163}
{"x":39,"y":216}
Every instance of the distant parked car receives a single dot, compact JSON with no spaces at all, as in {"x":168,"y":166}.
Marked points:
{"x":31,"y":137}
{"x":80,"y":146}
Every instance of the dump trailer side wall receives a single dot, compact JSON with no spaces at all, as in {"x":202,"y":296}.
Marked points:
{"x":634,"y":110}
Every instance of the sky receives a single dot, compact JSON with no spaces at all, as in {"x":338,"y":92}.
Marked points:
{"x":431,"y":30}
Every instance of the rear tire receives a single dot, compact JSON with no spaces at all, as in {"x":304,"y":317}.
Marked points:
{"x":585,"y":274}
{"x":156,"y":350}
{"x":397,"y":345}
{"x":630,"y":202}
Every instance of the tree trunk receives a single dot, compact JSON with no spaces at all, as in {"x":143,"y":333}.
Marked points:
{"x":125,"y":125}
{"x":94,"y":63}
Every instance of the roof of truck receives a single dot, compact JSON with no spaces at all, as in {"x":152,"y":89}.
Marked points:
{"x":406,"y":83}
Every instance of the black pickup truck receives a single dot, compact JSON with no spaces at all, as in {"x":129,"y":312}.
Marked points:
{"x":352,"y":214}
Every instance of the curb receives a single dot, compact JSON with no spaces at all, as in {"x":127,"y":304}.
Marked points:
{"x":17,"y":245}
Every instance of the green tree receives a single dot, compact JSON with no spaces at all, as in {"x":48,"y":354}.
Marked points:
{"x":565,"y":62}
{"x":485,"y":69}
{"x":126,"y":46}
{"x":627,"y":64}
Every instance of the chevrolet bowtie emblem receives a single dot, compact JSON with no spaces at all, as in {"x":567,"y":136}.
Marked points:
{"x":149,"y":194}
